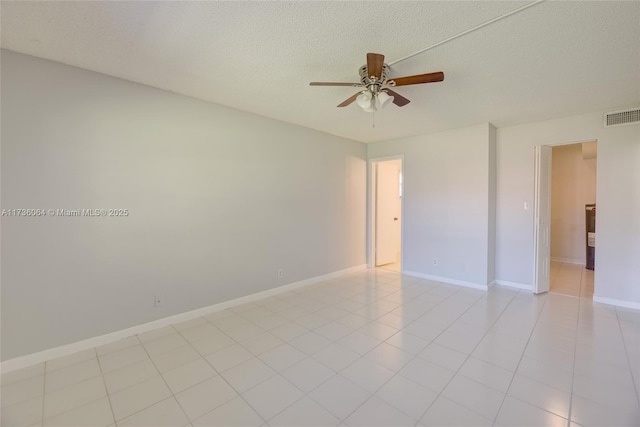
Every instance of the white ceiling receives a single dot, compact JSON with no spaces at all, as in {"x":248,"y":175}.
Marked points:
{"x":551,"y":60}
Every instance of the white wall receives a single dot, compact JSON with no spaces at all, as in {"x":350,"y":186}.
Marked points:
{"x":573,"y":184}
{"x":218,"y":199}
{"x":617,"y":274}
{"x":446,"y":196}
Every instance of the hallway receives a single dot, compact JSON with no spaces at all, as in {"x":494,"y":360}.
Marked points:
{"x":571,"y":279}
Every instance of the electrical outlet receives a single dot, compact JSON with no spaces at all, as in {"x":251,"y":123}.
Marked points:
{"x":435,"y":261}
{"x":157,"y":301}
{"x":280,"y":273}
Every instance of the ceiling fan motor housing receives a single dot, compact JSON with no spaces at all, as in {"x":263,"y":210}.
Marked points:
{"x":371,"y":82}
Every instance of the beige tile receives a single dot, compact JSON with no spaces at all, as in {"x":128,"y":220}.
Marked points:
{"x":516,"y":412}
{"x":165,"y":413}
{"x":25,"y":413}
{"x":367,"y":374}
{"x":248,"y":374}
{"x":130,"y":375}
{"x":339,"y":396}
{"x":541,"y":395}
{"x":117,"y":345}
{"x":475,"y":396}
{"x":72,"y":374}
{"x":156,"y":333}
{"x":304,"y":412}
{"x":376,"y":412}
{"x":23,"y":390}
{"x":97,"y":413}
{"x":229,"y":357}
{"x":235,"y":413}
{"x":445,"y":412}
{"x":121,"y":358}
{"x":307,"y":374}
{"x":164,"y":344}
{"x":72,"y":359}
{"x":272,"y":396}
{"x":563,"y":350}
{"x":188,"y":375}
{"x":407,"y":396}
{"x":138,"y":397}
{"x":205,"y":396}
{"x":22,"y":374}
{"x":487,"y":374}
{"x":73,"y":396}
{"x":175,"y":358}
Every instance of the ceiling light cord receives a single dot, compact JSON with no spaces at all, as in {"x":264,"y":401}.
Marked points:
{"x":477,"y":27}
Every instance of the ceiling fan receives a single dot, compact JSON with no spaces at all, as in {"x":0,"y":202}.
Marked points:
{"x":376,"y":83}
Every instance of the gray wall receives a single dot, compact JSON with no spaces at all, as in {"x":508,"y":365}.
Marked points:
{"x":218,"y":200}
{"x":447,"y":189}
{"x":617,"y":274}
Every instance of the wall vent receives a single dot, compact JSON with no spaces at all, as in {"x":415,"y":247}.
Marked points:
{"x":618,"y":118}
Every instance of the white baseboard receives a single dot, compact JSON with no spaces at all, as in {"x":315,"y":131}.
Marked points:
{"x":569,"y":260}
{"x":68,"y":349}
{"x":514,"y":285}
{"x":617,"y":302}
{"x":446,"y":280}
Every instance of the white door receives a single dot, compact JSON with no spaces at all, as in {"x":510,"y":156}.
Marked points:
{"x":542,"y":225}
{"x":387,"y":194}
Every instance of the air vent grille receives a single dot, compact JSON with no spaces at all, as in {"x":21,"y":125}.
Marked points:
{"x":626,"y":117}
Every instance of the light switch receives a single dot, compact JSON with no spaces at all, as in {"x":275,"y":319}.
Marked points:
{"x":526,"y":206}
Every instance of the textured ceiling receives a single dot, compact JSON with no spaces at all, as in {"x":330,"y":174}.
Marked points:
{"x":553,"y":59}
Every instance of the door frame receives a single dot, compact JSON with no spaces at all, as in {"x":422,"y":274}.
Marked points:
{"x":371,"y":209}
{"x":536,"y":207}
{"x":538,"y":195}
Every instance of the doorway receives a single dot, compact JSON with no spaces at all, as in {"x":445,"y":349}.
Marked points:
{"x":386,"y":224}
{"x":565,"y":200}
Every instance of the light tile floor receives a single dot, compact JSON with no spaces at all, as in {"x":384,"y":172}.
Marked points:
{"x":370,"y":349}
{"x":394,"y":266}
{"x":571,"y":279}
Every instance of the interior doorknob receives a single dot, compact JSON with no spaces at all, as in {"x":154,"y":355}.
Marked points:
{"x":395,"y":219}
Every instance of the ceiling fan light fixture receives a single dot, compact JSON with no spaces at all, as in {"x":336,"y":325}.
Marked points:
{"x":364,"y":100}
{"x":383,"y":99}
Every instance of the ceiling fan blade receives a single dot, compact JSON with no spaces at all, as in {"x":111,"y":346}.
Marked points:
{"x":349,"y":100}
{"x":398,"y":99}
{"x":420,"y":78}
{"x":375,"y":62}
{"x":335,"y":84}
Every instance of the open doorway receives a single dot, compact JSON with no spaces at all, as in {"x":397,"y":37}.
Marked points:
{"x":386,"y":230}
{"x":565,"y":218}
{"x":573,"y":200}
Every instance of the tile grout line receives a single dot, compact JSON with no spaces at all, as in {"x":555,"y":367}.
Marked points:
{"x":361,"y":356}
{"x":164,"y":381}
{"x":624,"y":343}
{"x":307,"y":356}
{"x":439,"y":394}
{"x":44,"y":393}
{"x":71,"y":385}
{"x":468,"y":356}
{"x":219,"y":373}
{"x":413,"y":358}
{"x":113,"y":414}
{"x":575,"y":355}
{"x":307,"y":394}
{"x":506,"y":393}
{"x":361,"y":296}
